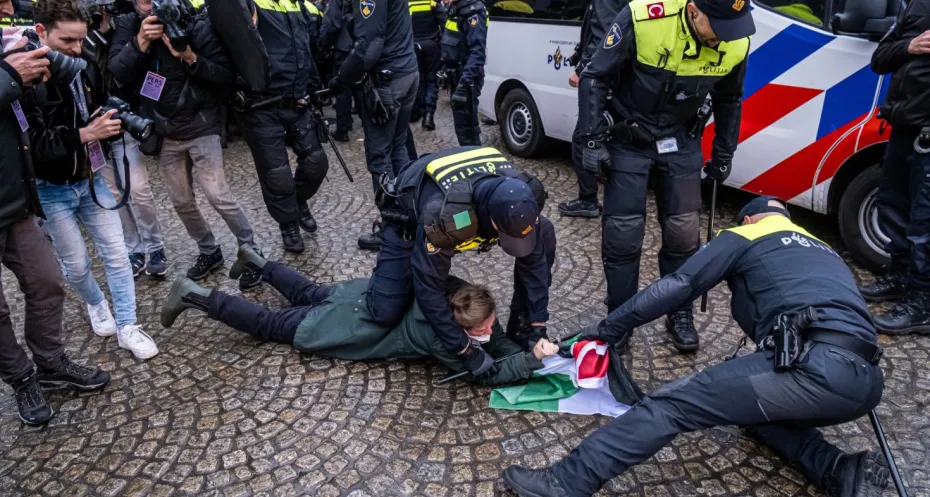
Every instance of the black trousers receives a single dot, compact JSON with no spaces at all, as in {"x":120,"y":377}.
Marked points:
{"x":343,"y":100}
{"x":386,"y":144}
{"x":428,"y":63}
{"x":782,"y":410}
{"x":266,"y":324}
{"x":269,"y":132}
{"x":465,"y":117}
{"x":587,"y":183}
{"x":904,"y":206}
{"x":677,"y":184}
{"x":27,"y":251}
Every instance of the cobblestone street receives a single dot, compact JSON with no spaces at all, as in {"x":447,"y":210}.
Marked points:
{"x":217,"y":413}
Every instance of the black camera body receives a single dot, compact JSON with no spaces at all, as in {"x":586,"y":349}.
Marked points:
{"x":138,"y":127}
{"x":63,"y":68}
{"x":177,"y":18}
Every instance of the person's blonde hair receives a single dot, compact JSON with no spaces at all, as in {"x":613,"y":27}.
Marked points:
{"x":471,"y":305}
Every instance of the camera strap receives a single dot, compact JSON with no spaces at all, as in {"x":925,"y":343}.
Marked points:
{"x":123,"y":191}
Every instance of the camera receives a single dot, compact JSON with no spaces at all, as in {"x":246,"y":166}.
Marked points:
{"x":63,"y":68}
{"x":138,"y":127}
{"x":177,"y":18}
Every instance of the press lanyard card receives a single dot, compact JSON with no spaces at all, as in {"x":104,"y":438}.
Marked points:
{"x":20,"y":116}
{"x":96,"y":155}
{"x":153,"y":86}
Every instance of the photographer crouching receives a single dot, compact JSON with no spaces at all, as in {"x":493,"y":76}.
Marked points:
{"x":170,"y":56}
{"x":69,"y":132}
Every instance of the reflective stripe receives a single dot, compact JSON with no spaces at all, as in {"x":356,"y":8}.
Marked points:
{"x":311,"y":8}
{"x":455,"y":167}
{"x":197,"y":3}
{"x":421,"y":6}
{"x":452,"y":26}
{"x":769,"y":225}
{"x":474,"y":243}
{"x":460,"y":157}
{"x":279,"y":6}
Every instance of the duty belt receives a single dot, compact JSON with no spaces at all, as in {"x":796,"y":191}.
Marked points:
{"x":871,"y":353}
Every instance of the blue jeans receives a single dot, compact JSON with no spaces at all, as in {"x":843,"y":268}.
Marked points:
{"x":64,"y":206}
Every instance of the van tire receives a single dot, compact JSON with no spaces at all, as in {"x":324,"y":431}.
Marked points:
{"x":520,"y":124}
{"x":857,"y":219}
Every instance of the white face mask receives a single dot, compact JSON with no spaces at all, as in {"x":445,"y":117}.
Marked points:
{"x":483,"y":339}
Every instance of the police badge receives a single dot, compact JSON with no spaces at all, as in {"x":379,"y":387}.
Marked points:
{"x":367,"y":7}
{"x":613,"y":36}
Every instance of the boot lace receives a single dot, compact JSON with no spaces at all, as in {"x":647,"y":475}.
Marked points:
{"x":203,"y":262}
{"x":30,"y":395}
{"x":69,"y":368}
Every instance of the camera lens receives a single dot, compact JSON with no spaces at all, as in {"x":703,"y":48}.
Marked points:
{"x":139,"y":127}
{"x":64,"y":68}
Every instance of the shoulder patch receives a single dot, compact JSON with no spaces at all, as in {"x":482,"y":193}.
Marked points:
{"x":473,"y":20}
{"x":613,"y":36}
{"x":655,"y":10}
{"x":367,"y":7}
{"x":431,"y":249}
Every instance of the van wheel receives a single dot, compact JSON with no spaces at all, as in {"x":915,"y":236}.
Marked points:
{"x":858,"y":220}
{"x":521,"y":127}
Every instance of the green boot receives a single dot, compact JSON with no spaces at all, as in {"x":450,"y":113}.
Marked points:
{"x":246,"y":256}
{"x":184,"y":294}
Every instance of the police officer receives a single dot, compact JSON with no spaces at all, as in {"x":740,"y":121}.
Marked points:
{"x":596,"y":21}
{"x":383,"y":54}
{"x":336,"y":35}
{"x":427,"y":17}
{"x":462,"y":199}
{"x":776,"y":270}
{"x":464,"y":46}
{"x":285,"y":29}
{"x":904,"y":191}
{"x":659,"y":60}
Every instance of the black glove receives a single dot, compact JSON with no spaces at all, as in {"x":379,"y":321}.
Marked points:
{"x":595,"y":159}
{"x":477,"y":360}
{"x":537,"y":334}
{"x":322,"y":129}
{"x":460,"y":96}
{"x":335,"y":85}
{"x":591,"y":332}
{"x":718,"y":169}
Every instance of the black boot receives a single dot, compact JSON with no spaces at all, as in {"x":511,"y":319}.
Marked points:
{"x":341,"y":135}
{"x":372,"y":241}
{"x":580,"y":208}
{"x":519,"y":329}
{"x":680,"y":324}
{"x":864,"y":474}
{"x":33,"y":406}
{"x":428,"y":122}
{"x":533,"y":483}
{"x":205,"y":264}
{"x":305,"y":219}
{"x":911,"y":314}
{"x":890,"y":286}
{"x":185,"y":294}
{"x":70,"y":374}
{"x":290,"y":235}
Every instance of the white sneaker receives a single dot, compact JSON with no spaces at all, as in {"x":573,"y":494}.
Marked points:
{"x":132,"y":338}
{"x":101,"y":320}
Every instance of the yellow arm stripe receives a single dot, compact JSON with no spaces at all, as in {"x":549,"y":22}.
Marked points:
{"x":419,"y":8}
{"x":452,"y":26}
{"x":460,"y":157}
{"x":768,"y":226}
{"x":456,"y":167}
{"x":282,"y":6}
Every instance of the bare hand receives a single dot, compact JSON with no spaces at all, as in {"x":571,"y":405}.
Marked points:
{"x":101,"y":128}
{"x":150,"y":31}
{"x":30,"y":65}
{"x":573,"y":80}
{"x":187,"y":55}
{"x":544,"y":348}
{"x":920,"y":45}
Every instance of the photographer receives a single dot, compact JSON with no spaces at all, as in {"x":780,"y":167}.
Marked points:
{"x":182,"y":89}
{"x":139,"y":218}
{"x":25,"y":250}
{"x":68,"y":146}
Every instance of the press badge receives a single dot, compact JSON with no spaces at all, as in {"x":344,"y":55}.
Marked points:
{"x":20,"y":116}
{"x":153,"y":86}
{"x":96,"y":156}
{"x":667,"y":145}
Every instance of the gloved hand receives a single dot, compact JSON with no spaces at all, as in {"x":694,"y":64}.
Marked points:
{"x":718,"y":169}
{"x":335,"y":85}
{"x":595,"y":159}
{"x":322,"y":129}
{"x":477,"y":360}
{"x":591,"y":332}
{"x":460,"y":96}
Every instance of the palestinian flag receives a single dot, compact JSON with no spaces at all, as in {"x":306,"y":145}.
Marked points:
{"x":592,"y":381}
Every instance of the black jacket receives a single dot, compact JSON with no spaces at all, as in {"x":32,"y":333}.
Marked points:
{"x":336,"y":28}
{"x":189,"y":106}
{"x":18,"y":196}
{"x":908,"y":100}
{"x":54,"y":124}
{"x":285,"y":27}
{"x":772,"y":267}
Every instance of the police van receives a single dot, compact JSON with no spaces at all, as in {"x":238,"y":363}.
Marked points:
{"x":809,"y":133}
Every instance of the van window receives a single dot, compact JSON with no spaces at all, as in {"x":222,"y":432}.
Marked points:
{"x":806,"y":11}
{"x":538,"y":10}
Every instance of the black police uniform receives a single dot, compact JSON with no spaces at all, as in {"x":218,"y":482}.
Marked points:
{"x":659,"y":76}
{"x":336,"y":34}
{"x":285,"y":29}
{"x":427,"y":17}
{"x":904,"y":190}
{"x":464,"y":46}
{"x":772,"y":267}
{"x":409,"y":265}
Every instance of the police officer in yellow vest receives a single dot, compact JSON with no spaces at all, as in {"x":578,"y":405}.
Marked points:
{"x":659,"y":60}
{"x":457,"y":200}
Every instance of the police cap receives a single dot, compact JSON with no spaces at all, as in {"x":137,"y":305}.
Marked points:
{"x":513,"y":209}
{"x":760,"y":205}
{"x":730,"y":19}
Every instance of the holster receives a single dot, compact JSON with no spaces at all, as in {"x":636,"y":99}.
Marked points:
{"x":380,"y":114}
{"x":630,"y":132}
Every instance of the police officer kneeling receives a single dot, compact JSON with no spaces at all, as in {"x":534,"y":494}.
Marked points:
{"x":777,"y":272}
{"x":659,"y":60}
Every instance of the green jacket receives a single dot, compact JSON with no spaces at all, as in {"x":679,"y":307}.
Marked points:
{"x":342,"y":328}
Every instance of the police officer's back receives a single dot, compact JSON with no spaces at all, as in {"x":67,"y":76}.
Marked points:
{"x":427,"y":18}
{"x":659,"y":61}
{"x":464,"y":46}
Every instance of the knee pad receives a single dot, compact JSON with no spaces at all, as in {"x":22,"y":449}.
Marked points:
{"x":682,"y":232}
{"x":315,"y":165}
{"x":280,"y":181}
{"x":623,"y":237}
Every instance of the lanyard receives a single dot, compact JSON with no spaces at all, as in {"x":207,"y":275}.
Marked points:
{"x":80,"y":101}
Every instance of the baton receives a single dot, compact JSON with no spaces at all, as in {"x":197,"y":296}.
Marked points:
{"x":320,"y":122}
{"x":463,"y":373}
{"x":886,"y":451}
{"x":710,"y":233}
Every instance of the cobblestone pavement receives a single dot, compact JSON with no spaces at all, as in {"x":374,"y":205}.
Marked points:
{"x":220,"y":414}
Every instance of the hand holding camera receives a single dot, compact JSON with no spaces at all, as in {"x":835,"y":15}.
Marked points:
{"x":152,"y":29}
{"x":102,"y":127}
{"x":31,"y":66}
{"x":187,"y":55}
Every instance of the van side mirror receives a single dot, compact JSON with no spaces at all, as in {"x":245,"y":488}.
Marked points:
{"x":865,"y":17}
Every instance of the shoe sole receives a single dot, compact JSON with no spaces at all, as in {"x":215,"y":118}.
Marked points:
{"x":157,"y":274}
{"x":518,"y":489}
{"x":206,"y":273}
{"x":874,"y":480}
{"x":104,"y":334}
{"x":887,"y":298}
{"x":686,"y":348}
{"x":308,"y":231}
{"x":586,"y":214}
{"x":923,"y":329}
{"x":141,"y":356}
{"x":294,"y":250}
{"x":40,"y":423}
{"x":373,"y":248}
{"x":63,"y":384}
{"x":140,"y":272}
{"x":249,"y":287}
